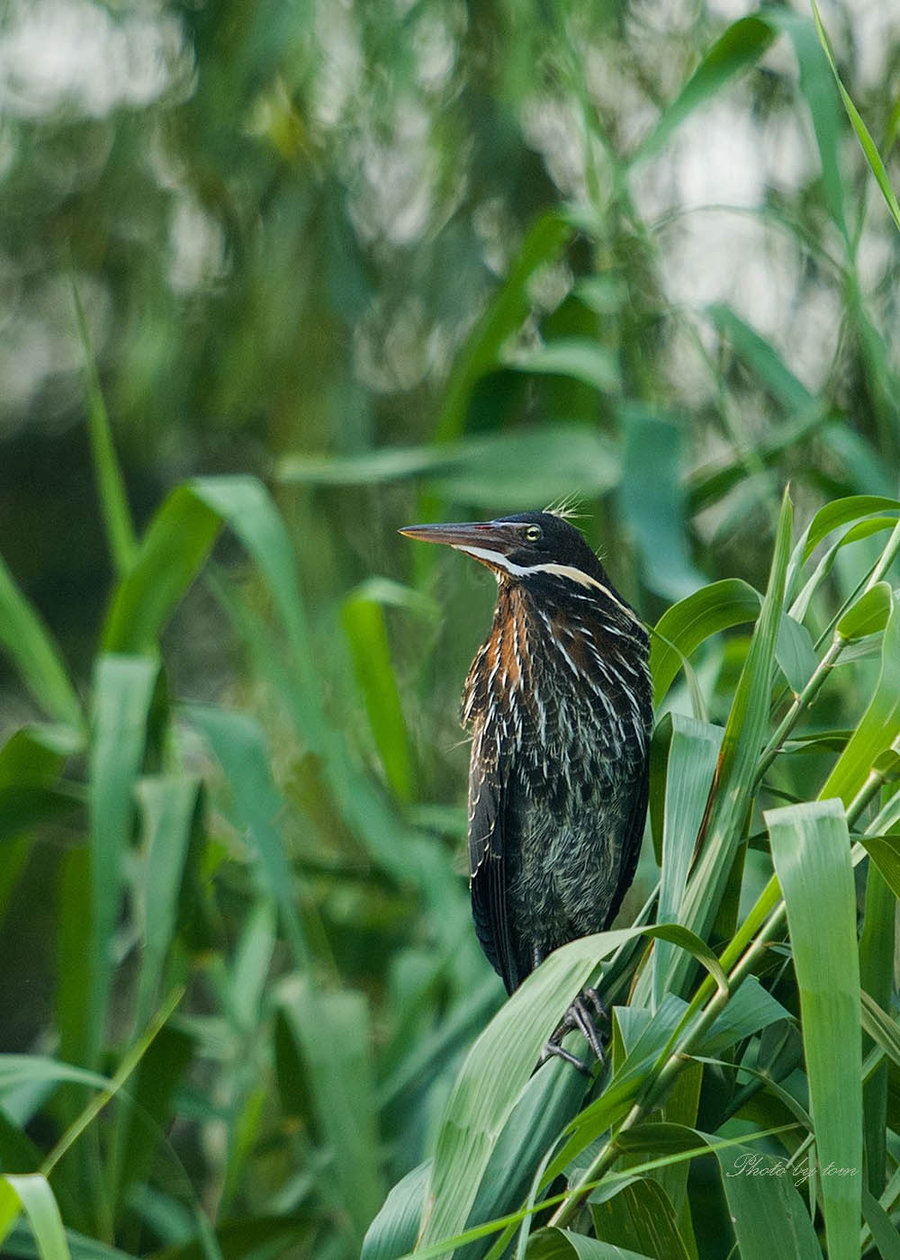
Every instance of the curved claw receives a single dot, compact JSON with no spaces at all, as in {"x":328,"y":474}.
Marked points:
{"x":579,"y":1016}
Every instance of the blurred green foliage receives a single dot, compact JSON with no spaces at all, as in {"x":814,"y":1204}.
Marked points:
{"x":399,"y":261}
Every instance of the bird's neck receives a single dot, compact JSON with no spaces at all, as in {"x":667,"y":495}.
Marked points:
{"x":547,"y":636}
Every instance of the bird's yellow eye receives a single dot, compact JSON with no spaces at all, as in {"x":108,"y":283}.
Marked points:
{"x":533,"y":533}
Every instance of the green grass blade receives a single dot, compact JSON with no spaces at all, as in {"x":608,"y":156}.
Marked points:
{"x":811,"y":850}
{"x":333,"y":1034}
{"x":168,"y":806}
{"x":246,"y":506}
{"x":818,"y":89}
{"x":762,"y":359}
{"x":239,"y":746}
{"x":31,"y":1191}
{"x":110,"y":482}
{"x":653,"y":503}
{"x":503,"y":316}
{"x":735,"y":51}
{"x":145,"y":1111}
{"x":883,"y":1230}
{"x":868,"y":145}
{"x":122,"y":694}
{"x":876,"y":970}
{"x":879,"y":725}
{"x":27,"y":642}
{"x":539,"y":464}
{"x":693,"y":754}
{"x":744,"y":732}
{"x":17,"y":1070}
{"x":171,"y":554}
{"x":885,"y":853}
{"x":748,"y":1011}
{"x":367,"y":640}
{"x":575,"y":357}
{"x":883,"y":1030}
{"x":683,"y":627}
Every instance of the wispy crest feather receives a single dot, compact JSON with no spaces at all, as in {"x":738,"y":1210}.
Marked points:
{"x":569,"y":508}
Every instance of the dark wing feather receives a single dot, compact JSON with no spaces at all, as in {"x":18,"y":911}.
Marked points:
{"x":632,"y":836}
{"x":488,"y":847}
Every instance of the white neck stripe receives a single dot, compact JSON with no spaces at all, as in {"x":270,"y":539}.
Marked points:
{"x":500,"y":561}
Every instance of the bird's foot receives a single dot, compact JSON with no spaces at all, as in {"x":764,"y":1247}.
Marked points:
{"x":584,"y":1015}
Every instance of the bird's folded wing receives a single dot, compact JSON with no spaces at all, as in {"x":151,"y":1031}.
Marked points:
{"x":488,"y":864}
{"x":632,"y":835}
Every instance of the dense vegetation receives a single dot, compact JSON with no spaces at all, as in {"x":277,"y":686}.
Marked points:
{"x":337,"y":268}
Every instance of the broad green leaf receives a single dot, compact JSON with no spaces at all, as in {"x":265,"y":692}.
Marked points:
{"x":27,"y":642}
{"x":768,"y":1214}
{"x":687,"y":624}
{"x":748,"y":1010}
{"x":563,"y":1244}
{"x":32,"y":1192}
{"x":862,"y":529}
{"x":735,"y":51}
{"x":24,"y":806}
{"x":840,"y":512}
{"x":795,"y":653}
{"x":625,"y":1084}
{"x":879,"y":725}
{"x":122,"y":694}
{"x":640,"y":1217}
{"x":868,"y":615}
{"x":811,"y":850}
{"x":393,"y":1231}
{"x":483,"y":1098}
{"x":653,"y":502}
{"x":333,"y":1033}
{"x":577,"y":357}
{"x":770,"y":1219}
{"x":550,"y":1099}
{"x":885,"y":853}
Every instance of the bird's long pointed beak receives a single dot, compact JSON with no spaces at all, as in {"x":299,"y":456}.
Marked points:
{"x":486,"y":536}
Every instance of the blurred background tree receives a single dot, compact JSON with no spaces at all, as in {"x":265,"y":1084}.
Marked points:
{"x":400,"y":260}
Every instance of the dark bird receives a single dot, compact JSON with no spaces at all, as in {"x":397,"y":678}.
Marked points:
{"x":558,"y":703}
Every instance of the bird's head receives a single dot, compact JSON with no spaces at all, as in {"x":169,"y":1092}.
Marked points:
{"x":519,"y":547}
